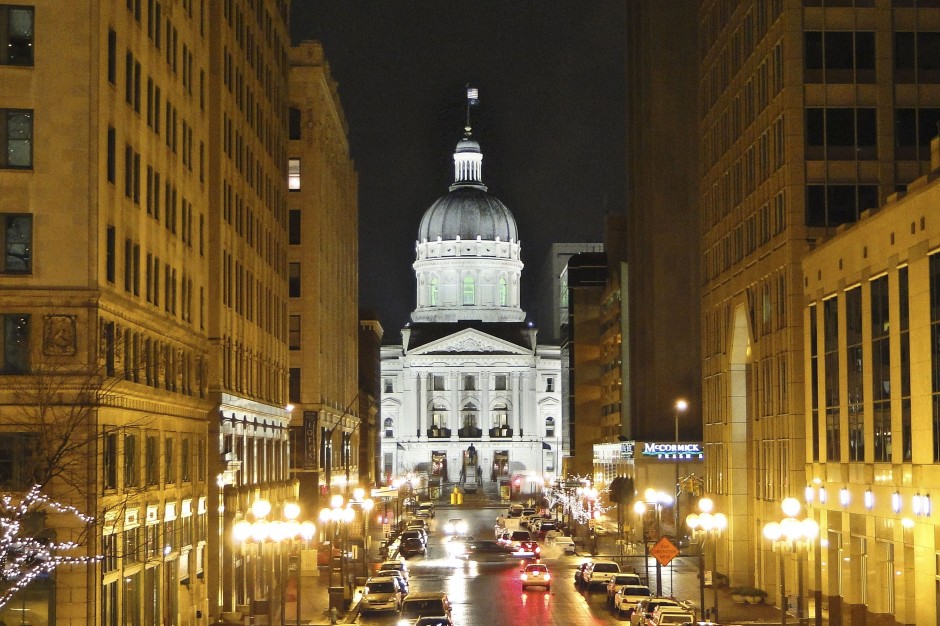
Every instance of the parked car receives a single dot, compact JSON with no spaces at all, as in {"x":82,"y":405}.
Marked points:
{"x":618,"y":581}
{"x":395,"y":573}
{"x":423,"y":604}
{"x":412,"y":546}
{"x":566,"y":543}
{"x":381,"y":593}
{"x":426,"y":509}
{"x":600,"y":573}
{"x":644,"y":610}
{"x":395,"y":564}
{"x":536,"y":575}
{"x":413,"y":533}
{"x":628,"y":597}
{"x":665,"y":615}
{"x":437,"y":620}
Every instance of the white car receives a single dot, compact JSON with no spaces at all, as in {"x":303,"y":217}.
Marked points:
{"x":381,"y":594}
{"x":667,"y":615}
{"x":628,"y":597}
{"x":456,"y":526}
{"x":566,"y":544}
{"x":599,"y":573}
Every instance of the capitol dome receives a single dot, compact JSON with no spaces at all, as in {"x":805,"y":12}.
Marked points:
{"x":467,"y":211}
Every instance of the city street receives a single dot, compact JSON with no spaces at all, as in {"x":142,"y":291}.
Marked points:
{"x":490,"y":593}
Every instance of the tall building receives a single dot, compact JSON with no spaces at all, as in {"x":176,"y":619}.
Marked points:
{"x":809,"y":114}
{"x":663,"y":259}
{"x":552,"y":293}
{"x":323,"y":274}
{"x":152,"y":314}
{"x":370,"y":394}
{"x":872,"y":405}
{"x":470,"y":396}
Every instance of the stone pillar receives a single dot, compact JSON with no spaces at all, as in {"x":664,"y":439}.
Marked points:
{"x":455,"y":404}
{"x":516,"y":404}
{"x":422,"y":405}
{"x":485,"y":417}
{"x":523,"y":402}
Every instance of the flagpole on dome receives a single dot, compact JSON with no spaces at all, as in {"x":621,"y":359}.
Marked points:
{"x":473,"y":98}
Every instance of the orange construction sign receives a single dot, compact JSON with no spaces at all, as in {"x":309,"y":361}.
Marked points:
{"x":664,"y":551}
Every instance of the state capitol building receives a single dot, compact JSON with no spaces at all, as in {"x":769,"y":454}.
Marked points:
{"x":470,"y":396}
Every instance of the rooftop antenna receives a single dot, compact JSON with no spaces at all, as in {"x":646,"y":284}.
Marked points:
{"x":473,"y":99}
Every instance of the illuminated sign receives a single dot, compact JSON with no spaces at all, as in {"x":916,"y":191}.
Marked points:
{"x":674,"y":451}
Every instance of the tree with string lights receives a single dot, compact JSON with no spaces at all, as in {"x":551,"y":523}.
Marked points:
{"x":27,"y":552}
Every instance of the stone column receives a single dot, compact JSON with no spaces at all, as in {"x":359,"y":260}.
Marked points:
{"x":422,"y":405}
{"x":455,"y":402}
{"x":523,"y":401}
{"x":516,"y":404}
{"x":485,"y":417}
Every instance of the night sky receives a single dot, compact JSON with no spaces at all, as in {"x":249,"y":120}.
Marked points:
{"x":551,"y":120}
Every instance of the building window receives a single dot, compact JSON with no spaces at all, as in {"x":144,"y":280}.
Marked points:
{"x":549,"y":426}
{"x":550,"y":384}
{"x":913,"y":130}
{"x":14,"y":344}
{"x":881,"y":370}
{"x":112,"y":56}
{"x":500,"y":382}
{"x":434,"y":291}
{"x":293,"y":280}
{"x":169,"y":461}
{"x":814,"y":379}
{"x":293,"y":332}
{"x":832,"y":205}
{"x":16,"y":35}
{"x":16,"y":232}
{"x":16,"y":138}
{"x":934,"y":282}
{"x":839,"y":56}
{"x":151,"y":458}
{"x":854,"y":373}
{"x":109,"y":460}
{"x":904,"y":329}
{"x":185,"y":461}
{"x":112,"y":155}
{"x":469,"y":290}
{"x":916,"y":57}
{"x":293,"y":391}
{"x":847,"y":134}
{"x":293,"y":227}
{"x":389,"y":385}
{"x":831,"y":356}
{"x":503,"y":292}
{"x":293,"y":123}
{"x":469,"y":382}
{"x":17,"y":461}
{"x":131,"y":461}
{"x":437,"y":383}
{"x":293,"y":174}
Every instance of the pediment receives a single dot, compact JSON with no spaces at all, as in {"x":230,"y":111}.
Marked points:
{"x":470,"y":341}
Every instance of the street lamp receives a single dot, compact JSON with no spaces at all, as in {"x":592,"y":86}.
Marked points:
{"x":283,"y":532}
{"x":681,"y":406}
{"x":706,"y":524}
{"x":656,"y":500}
{"x":338,"y":515}
{"x":791,"y":535}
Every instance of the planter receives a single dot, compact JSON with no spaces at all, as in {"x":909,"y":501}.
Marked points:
{"x":738,"y":598}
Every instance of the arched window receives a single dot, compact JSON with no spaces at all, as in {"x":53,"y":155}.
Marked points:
{"x":503,"y":291}
{"x":469,"y":290}
{"x":389,"y":428}
{"x":438,"y":416}
{"x":434,"y":291}
{"x":500,"y":416}
{"x":550,"y":427}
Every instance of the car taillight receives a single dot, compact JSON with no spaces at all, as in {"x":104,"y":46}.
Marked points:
{"x":548,"y":576}
{"x":538,"y":550}
{"x":524,"y":577}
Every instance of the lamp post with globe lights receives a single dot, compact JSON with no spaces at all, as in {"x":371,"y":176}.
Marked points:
{"x":681,"y":406}
{"x":792,"y":536}
{"x":338,"y":517}
{"x":653,"y":500}
{"x":284,"y":532}
{"x":706,"y":524}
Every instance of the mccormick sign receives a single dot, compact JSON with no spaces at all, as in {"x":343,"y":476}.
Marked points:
{"x":674,"y":451}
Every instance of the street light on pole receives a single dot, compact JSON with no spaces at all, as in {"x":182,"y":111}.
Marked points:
{"x":792,"y":536}
{"x":656,"y":499}
{"x":706,"y":524}
{"x":681,"y":406}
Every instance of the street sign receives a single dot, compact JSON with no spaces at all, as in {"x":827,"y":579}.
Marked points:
{"x":664,"y":551}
